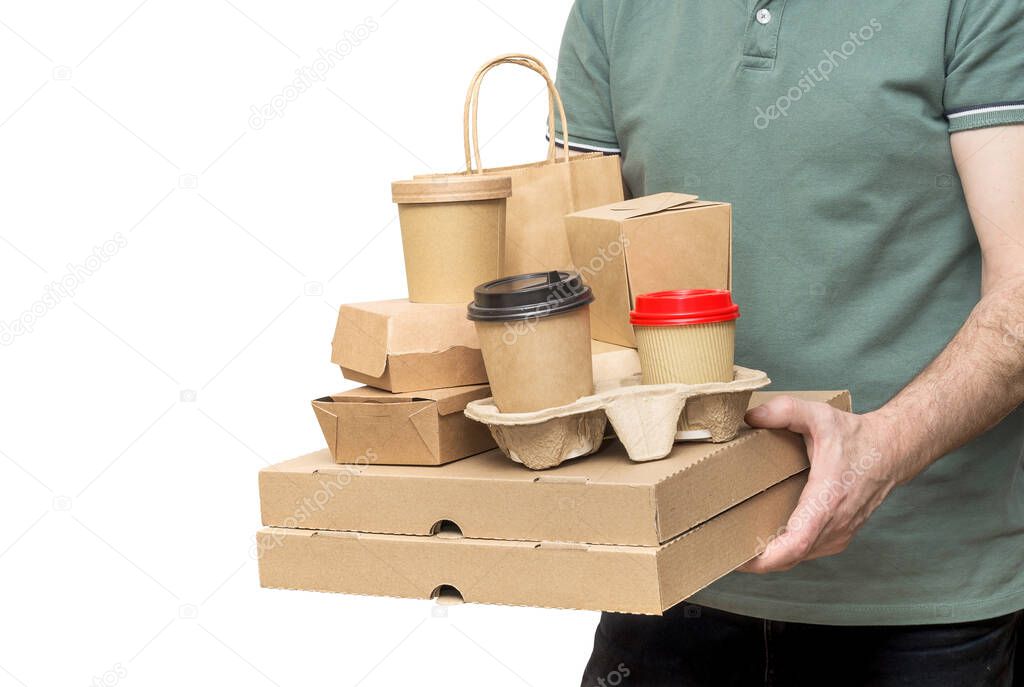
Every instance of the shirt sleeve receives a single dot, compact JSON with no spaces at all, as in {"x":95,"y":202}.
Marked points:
{"x":583,"y":80}
{"x":985,"y":64}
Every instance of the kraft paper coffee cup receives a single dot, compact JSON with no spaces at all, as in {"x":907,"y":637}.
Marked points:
{"x":453,"y":234}
{"x":685,"y":337}
{"x":534,"y":332}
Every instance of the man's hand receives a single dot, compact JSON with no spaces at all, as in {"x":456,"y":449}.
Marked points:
{"x":852,"y":471}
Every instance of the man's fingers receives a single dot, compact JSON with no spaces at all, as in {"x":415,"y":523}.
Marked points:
{"x":806,"y":535}
{"x":784,"y":412}
{"x":803,"y":532}
{"x":831,"y":549}
{"x":783,"y":553}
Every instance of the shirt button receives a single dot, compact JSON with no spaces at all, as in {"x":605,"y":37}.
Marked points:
{"x":763,"y":16}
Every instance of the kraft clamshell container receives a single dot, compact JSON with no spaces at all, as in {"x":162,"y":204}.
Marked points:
{"x":453,"y":234}
{"x":401,"y":346}
{"x":648,"y":419}
{"x":534,"y":332}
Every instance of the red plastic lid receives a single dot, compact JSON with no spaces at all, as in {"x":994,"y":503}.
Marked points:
{"x":693,"y":306}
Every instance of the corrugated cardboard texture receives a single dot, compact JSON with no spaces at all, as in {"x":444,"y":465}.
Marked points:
{"x":402,"y":346}
{"x":630,"y":579}
{"x":367,"y":425}
{"x":605,"y":499}
{"x":655,"y":243}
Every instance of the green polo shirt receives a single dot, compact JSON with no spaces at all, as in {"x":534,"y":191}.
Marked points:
{"x":826,"y":125}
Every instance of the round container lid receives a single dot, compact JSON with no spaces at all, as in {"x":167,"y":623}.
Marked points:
{"x":451,"y":189}
{"x":527,"y":296}
{"x":693,"y":306}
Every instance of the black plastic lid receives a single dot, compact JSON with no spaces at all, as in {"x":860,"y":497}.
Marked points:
{"x":527,"y":296}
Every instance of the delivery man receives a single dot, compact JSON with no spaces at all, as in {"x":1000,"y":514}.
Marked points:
{"x":873,"y":152}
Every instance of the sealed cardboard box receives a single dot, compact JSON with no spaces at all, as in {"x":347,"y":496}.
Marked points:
{"x":601,"y":499}
{"x":630,"y":579}
{"x":401,"y":346}
{"x":367,"y":425}
{"x":661,"y":242}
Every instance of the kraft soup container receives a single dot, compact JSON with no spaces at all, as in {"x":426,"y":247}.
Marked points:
{"x":453,"y":234}
{"x":685,"y":337}
{"x":534,"y":332}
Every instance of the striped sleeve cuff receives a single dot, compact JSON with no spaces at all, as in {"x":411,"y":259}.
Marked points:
{"x":980,"y":116}
{"x":585,"y":144}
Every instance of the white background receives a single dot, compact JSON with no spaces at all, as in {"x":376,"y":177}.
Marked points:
{"x":138,"y":409}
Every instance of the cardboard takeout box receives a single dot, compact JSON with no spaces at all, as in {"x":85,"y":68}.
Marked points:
{"x":601,"y":499}
{"x":661,"y":242}
{"x":367,"y":425}
{"x":601,"y":534}
{"x":401,"y":346}
{"x":631,"y":579}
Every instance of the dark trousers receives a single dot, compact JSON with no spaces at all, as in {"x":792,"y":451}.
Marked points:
{"x":695,"y":646}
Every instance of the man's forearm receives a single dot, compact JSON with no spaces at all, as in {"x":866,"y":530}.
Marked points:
{"x":975,"y":382}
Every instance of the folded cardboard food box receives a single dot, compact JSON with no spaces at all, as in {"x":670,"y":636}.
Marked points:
{"x":401,"y":346}
{"x":601,"y":533}
{"x":367,"y":425}
{"x":629,"y":579}
{"x":655,"y":243}
{"x":601,"y":499}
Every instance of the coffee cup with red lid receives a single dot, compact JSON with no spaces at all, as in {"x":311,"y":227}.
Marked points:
{"x":685,"y":336}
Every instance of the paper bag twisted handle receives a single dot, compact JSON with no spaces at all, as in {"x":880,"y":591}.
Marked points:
{"x":471,"y":131}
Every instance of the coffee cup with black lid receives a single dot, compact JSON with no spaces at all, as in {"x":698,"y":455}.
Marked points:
{"x":534,"y":332}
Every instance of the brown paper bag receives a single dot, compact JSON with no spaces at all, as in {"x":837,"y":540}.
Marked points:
{"x":542,"y":192}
